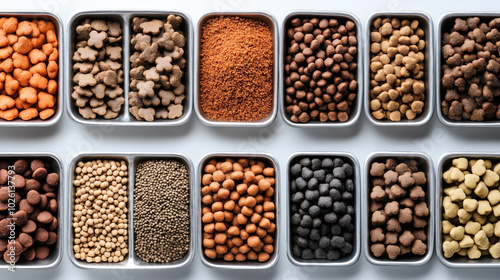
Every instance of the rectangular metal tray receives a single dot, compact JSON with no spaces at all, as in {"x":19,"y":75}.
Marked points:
{"x":273,"y":25}
{"x":446,"y":21}
{"x":247,"y":265}
{"x":357,"y":207}
{"x":457,"y":261}
{"x":358,"y":107}
{"x":131,"y":260}
{"x":428,"y":168}
{"x":125,"y":18}
{"x":59,"y":108}
{"x":56,"y":256}
{"x":428,"y":26}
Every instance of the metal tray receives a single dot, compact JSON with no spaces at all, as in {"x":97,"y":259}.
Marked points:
{"x":131,"y":261}
{"x":428,"y":26}
{"x":56,"y":20}
{"x":353,"y":258}
{"x":247,"y":265}
{"x":124,"y":118}
{"x":273,"y":25}
{"x":56,"y":255}
{"x":427,"y":166}
{"x":458,"y":261}
{"x":446,"y":21}
{"x":357,"y":108}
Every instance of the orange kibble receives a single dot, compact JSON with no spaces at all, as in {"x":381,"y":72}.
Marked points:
{"x":244,"y":249}
{"x":234,"y":195}
{"x":38,"y":81}
{"x":272,"y":228}
{"x":23,"y":45}
{"x":35,"y":32}
{"x":271,"y":180}
{"x":51,"y":37}
{"x":237,"y":167}
{"x":268,"y":239}
{"x":255,"y":218}
{"x":12,"y":39}
{"x":205,"y":190}
{"x":208,"y":243}
{"x":7,"y":65}
{"x":28,"y":114}
{"x":24,"y":28}
{"x":52,"y":69}
{"x":205,"y":210}
{"x":6,"y":102}
{"x":21,"y":104}
{"x":38,"y":41}
{"x":258,"y":209}
{"x":220,"y":238}
{"x":250,"y":202}
{"x":10,"y":25}
{"x":217,"y":206}
{"x":208,"y":218}
{"x":39,"y":68}
{"x":228,"y":216}
{"x":259,"y":198}
{"x":206,"y":179}
{"x":226,"y":167}
{"x":221,"y":249}
{"x":237,"y":209}
{"x":22,"y":76}
{"x":241,"y":188}
{"x":5,"y":52}
{"x":228,"y":257}
{"x":269,"y":172}
{"x":36,"y":56}
{"x":249,"y":177}
{"x":54,"y":55}
{"x":229,"y":243}
{"x":47,"y":113}
{"x":9,"y":114}
{"x":265,"y":223}
{"x":223,"y":193}
{"x":240,"y":257}
{"x":251,"y":228}
{"x":253,"y":190}
{"x":246,"y":211}
{"x":229,"y":205}
{"x":208,"y":235}
{"x":264,"y":185}
{"x":210,"y":168}
{"x":228,"y":184}
{"x":237,"y":175}
{"x":269,"y":192}
{"x":253,"y":241}
{"x":268,"y":206}
{"x":237,"y":241}
{"x":219,"y":216}
{"x":52,"y":87}
{"x":243,"y":162}
{"x":252,"y":256}
{"x":234,"y":231}
{"x":47,"y":49}
{"x":235,"y":250}
{"x":46,"y":100}
{"x":269,"y":215}
{"x":28,"y":94}
{"x":263,"y":257}
{"x":244,"y":234}
{"x":3,"y":39}
{"x":261,"y":232}
{"x":209,"y":228}
{"x":219,"y":176}
{"x":210,"y":253}
{"x":256,"y":169}
{"x":207,"y":199}
{"x":242,"y":220}
{"x":268,"y":248}
{"x":214,"y":187}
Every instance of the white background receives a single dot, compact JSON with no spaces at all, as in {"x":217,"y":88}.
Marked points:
{"x":195,"y":139}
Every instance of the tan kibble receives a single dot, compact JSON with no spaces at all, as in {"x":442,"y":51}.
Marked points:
{"x":471,"y":180}
{"x":481,"y":190}
{"x":457,"y":233}
{"x":474,"y":253}
{"x":466,"y":242}
{"x":481,"y":240}
{"x":460,"y":163}
{"x":450,"y":248}
{"x":490,"y":178}
{"x":470,"y":204}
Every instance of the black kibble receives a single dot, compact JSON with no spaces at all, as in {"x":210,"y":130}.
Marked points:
{"x":314,"y":211}
{"x":324,"y":242}
{"x":307,"y":254}
{"x":325,"y":229}
{"x":347,"y":195}
{"x":345,"y":221}
{"x":302,"y":242}
{"x":339,"y":207}
{"x":313,"y":245}
{"x":335,"y":194}
{"x":306,"y":221}
{"x":347,"y":169}
{"x":336,"y":184}
{"x":295,"y":208}
{"x":293,"y":186}
{"x":296,"y":219}
{"x":320,"y":175}
{"x":348,"y":236}
{"x":312,"y":195}
{"x":337,"y":242}
{"x":301,"y":183}
{"x":347,"y":249}
{"x":324,"y":189}
{"x":331,"y":218}
{"x":336,"y":230}
{"x":315,"y":163}
{"x":307,"y":173}
{"x":305,"y":205}
{"x":325,"y":202}
{"x":315,"y":235}
{"x":338,"y":172}
{"x":296,"y":251}
{"x":350,"y":210}
{"x":305,"y":162}
{"x":317,"y":223}
{"x":320,"y":253}
{"x":297,"y":197}
{"x":333,"y":255}
{"x":337,"y":162}
{"x":303,"y":232}
{"x":296,"y":169}
{"x":327,"y":163}
{"x":349,"y":185}
{"x":313,"y":184}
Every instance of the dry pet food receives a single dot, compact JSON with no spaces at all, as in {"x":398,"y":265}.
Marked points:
{"x":100,"y":212}
{"x":236,"y":69}
{"x":238,"y":210}
{"x":97,"y":69}
{"x":28,"y":210}
{"x":471,"y":209}
{"x":397,"y":69}
{"x":471,"y":66}
{"x":399,"y":213}
{"x":29,"y":69}
{"x":157,"y":67}
{"x":322,"y":208}
{"x":320,"y":69}
{"x":161,"y":211}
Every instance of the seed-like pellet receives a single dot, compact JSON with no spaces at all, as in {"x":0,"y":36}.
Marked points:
{"x":161,"y":211}
{"x":100,"y":213}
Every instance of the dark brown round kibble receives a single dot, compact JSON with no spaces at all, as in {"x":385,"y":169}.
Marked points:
{"x":53,"y":205}
{"x":52,"y":179}
{"x":8,"y":259}
{"x":18,"y":181}
{"x":29,"y":254}
{"x":42,"y":252}
{"x":41,"y":235}
{"x":45,"y":217}
{"x":44,"y":201}
{"x":25,"y":206}
{"x":26,"y":240}
{"x":52,"y":238}
{"x":33,"y":197}
{"x":21,"y":166}
{"x":3,"y":245}
{"x":53,"y":224}
{"x":35,"y":164}
{"x":40,"y":174}
{"x":4,"y":227}
{"x":32,"y":184}
{"x":21,"y":218}
{"x":50,"y":195}
{"x":29,"y":227}
{"x":4,"y":176}
{"x":4,"y":194}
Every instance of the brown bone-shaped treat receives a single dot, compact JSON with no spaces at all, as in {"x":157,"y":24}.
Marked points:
{"x":110,"y":114}
{"x":152,"y":27}
{"x":136,"y":73}
{"x":80,"y":101}
{"x":83,"y":67}
{"x":77,"y":57}
{"x":110,"y":78}
{"x":150,"y":53}
{"x":83,"y":91}
{"x":101,"y":110}
{"x":84,"y":80}
{"x":151,"y":75}
{"x":114,"y":92}
{"x":95,"y":69}
{"x":146,"y":88}
{"x":135,"y":100}
{"x":176,"y":53}
{"x":166,"y":97}
{"x":113,"y":40}
{"x":97,"y":39}
{"x":95,"y":102}
{"x":179,"y":39}
{"x":166,"y":41}
{"x":101,"y":54}
{"x":114,"y":28}
{"x":81,"y":44}
{"x":87,"y":113}
{"x":99,"y":25}
{"x":136,"y":23}
{"x":99,"y":91}
{"x":114,"y":53}
{"x":176,"y":76}
{"x":116,"y":104}
{"x":175,"y":21}
{"x":165,"y":82}
{"x":110,"y":65}
{"x":83,"y":31}
{"x":174,"y":111}
{"x":147,"y":114}
{"x":88,"y":53}
{"x":134,"y":110}
{"x":178,"y":99}
{"x":179,"y":89}
{"x":141,"y":41}
{"x":164,"y":64}
{"x":161,"y":113}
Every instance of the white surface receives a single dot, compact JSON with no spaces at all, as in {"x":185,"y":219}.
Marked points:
{"x":195,"y":140}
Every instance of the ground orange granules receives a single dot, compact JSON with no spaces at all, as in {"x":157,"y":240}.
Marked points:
{"x":236,"y":70}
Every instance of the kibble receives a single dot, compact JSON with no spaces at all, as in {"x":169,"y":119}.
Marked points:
{"x":238,"y":209}
{"x":161,"y":211}
{"x":399,"y":213}
{"x":397,"y":69}
{"x":470,"y":68}
{"x":100,"y":211}
{"x":236,"y":69}
{"x":322,"y":211}
{"x":470,"y":221}
{"x":98,"y":69}
{"x":320,"y":69}
{"x":36,"y":223}
{"x":29,"y":68}
{"x":157,"y":66}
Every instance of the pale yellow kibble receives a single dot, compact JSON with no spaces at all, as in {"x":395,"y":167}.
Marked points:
{"x":495,"y":250}
{"x":471,"y":180}
{"x":446,"y":176}
{"x":457,"y":233}
{"x":496,"y":210}
{"x":450,"y":248}
{"x":450,"y":189}
{"x":490,"y":178}
{"x":494,"y":197}
{"x":479,"y":218}
{"x":481,"y":240}
{"x":497,"y":229}
{"x":462,"y":252}
{"x":481,"y":190}
{"x":474,"y":253}
{"x":478,"y":168}
{"x":489,"y":229}
{"x":496,"y":169}
{"x":466,"y":242}
{"x":452,"y":210}
{"x":457,"y":195}
{"x":456,"y":175}
{"x":466,"y":190}
{"x":447,"y":226}
{"x":470,"y":204}
{"x":472,"y":227}
{"x":484,"y":208}
{"x":460,"y":163}
{"x":463,"y":216}
{"x":448,"y":238}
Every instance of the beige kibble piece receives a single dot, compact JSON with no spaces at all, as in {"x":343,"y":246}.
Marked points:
{"x":489,"y":229}
{"x":460,"y":163}
{"x":466,"y":242}
{"x":474,"y":253}
{"x":450,"y":248}
{"x":490,"y":178}
{"x":484,"y":207}
{"x":447,"y":226}
{"x":452,"y":210}
{"x":471,"y":180}
{"x":481,"y":190}
{"x":472,"y":227}
{"x":457,"y":195}
{"x":495,"y":250}
{"x":470,"y":204}
{"x":481,"y":240}
{"x":496,"y":210}
{"x":466,"y":190}
{"x":457,"y":233}
{"x":386,"y":29}
{"x":494,"y":197}
{"x":456,"y":175}
{"x":497,"y":229}
{"x":479,"y":218}
{"x":497,"y":169}
{"x":463,"y":216}
{"x":478,"y":168}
